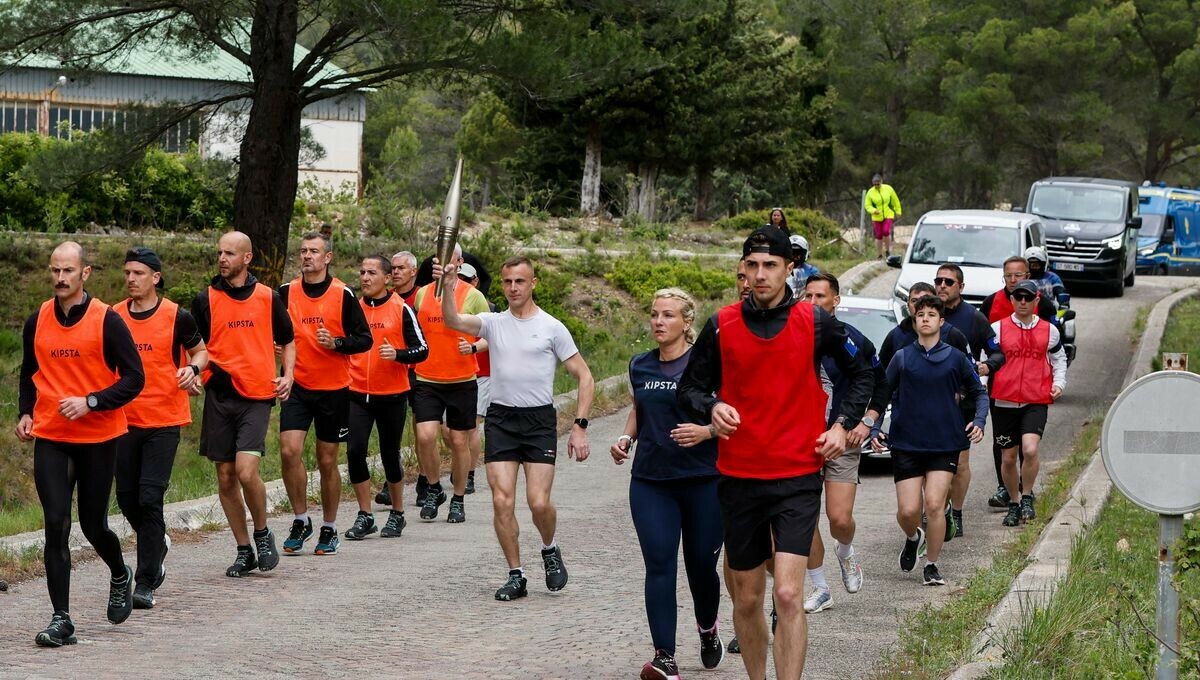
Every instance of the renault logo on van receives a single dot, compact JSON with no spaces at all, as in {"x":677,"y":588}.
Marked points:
{"x":1070,"y":243}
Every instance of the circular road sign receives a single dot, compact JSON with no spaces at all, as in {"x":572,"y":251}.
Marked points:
{"x":1151,"y":442}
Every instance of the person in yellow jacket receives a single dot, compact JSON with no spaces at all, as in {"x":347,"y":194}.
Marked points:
{"x":883,"y":205}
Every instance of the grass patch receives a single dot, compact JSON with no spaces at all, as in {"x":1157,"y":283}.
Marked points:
{"x":933,"y":641}
{"x":1182,"y":333}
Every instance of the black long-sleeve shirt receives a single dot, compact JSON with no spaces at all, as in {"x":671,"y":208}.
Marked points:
{"x":357,"y":338}
{"x":281,"y":325}
{"x":981,"y":339}
{"x":415,"y":348}
{"x":185,"y":334}
{"x":697,"y":392}
{"x":120,"y":355}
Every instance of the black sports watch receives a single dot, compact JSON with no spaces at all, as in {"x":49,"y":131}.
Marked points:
{"x":337,"y":343}
{"x":582,"y":422}
{"x":195,"y":369}
{"x":841,"y":420}
{"x":92,"y":401}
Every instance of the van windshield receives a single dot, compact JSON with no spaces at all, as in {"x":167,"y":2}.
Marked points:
{"x":1083,"y":203}
{"x":1152,"y":225}
{"x":967,"y":244}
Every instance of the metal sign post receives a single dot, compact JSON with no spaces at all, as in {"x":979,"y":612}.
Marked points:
{"x":1149,"y":449}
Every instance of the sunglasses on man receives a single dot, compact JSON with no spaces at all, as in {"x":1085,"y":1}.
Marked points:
{"x":1024,"y":297}
{"x":945,"y":281}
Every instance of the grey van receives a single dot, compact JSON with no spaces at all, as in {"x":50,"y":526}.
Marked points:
{"x":1091,"y":229}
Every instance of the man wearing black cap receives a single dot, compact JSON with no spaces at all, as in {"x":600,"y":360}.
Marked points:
{"x":173,"y":354}
{"x":771,"y":450}
{"x":1032,"y":377}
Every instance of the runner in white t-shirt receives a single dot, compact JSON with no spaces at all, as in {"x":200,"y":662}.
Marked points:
{"x":526,"y":344}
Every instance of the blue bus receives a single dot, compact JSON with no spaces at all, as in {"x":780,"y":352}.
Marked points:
{"x":1169,"y":240}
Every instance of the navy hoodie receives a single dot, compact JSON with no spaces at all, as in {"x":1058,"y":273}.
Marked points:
{"x":925,"y":385}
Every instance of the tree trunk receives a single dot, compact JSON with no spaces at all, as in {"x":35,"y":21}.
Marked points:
{"x":703,"y":191}
{"x":488,"y":180}
{"x":647,"y":203}
{"x":589,"y":200}
{"x":891,"y":151}
{"x":270,"y":153}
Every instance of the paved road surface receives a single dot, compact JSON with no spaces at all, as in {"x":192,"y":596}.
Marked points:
{"x":421,"y":606}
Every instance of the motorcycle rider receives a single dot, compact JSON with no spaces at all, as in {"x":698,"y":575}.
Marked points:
{"x":1049,"y":284}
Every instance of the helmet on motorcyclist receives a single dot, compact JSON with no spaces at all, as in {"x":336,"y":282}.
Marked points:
{"x":1035,"y":253}
{"x":1036,"y":257}
{"x":799,"y":249}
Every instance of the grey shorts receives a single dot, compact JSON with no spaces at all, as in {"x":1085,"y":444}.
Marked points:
{"x":844,"y":468}
{"x":484,"y":399}
{"x":233,"y":425}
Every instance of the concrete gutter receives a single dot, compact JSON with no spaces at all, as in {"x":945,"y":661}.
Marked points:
{"x":1033,"y":588}
{"x":858,"y":276}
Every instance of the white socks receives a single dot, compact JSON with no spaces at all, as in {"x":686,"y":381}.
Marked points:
{"x":844,"y":551}
{"x":817,"y":576}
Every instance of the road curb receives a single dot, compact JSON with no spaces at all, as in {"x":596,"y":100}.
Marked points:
{"x":860,"y":275}
{"x":1051,"y":555}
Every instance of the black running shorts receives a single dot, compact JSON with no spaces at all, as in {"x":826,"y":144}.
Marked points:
{"x":522,"y":435}
{"x":233,"y":425}
{"x":753,"y":511}
{"x":909,"y":464}
{"x":455,"y":400}
{"x":1010,"y":424}
{"x":329,"y":409}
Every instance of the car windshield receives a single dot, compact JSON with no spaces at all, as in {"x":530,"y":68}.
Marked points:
{"x":1083,"y":203}
{"x":965,"y":244}
{"x":873,"y":323}
{"x":1152,"y":225}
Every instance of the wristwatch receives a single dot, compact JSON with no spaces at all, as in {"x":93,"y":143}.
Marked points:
{"x":195,"y":369}
{"x":841,"y":420}
{"x":475,"y":350}
{"x":868,"y":421}
{"x":92,"y":401}
{"x":582,"y":422}
{"x":337,"y":343}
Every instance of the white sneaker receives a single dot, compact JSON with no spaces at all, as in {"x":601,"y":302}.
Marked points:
{"x":818,"y":600}
{"x":852,"y":573}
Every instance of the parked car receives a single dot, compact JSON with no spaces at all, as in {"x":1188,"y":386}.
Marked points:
{"x":1091,"y":229}
{"x":977,"y":240}
{"x":1169,"y":240}
{"x":875,"y":319}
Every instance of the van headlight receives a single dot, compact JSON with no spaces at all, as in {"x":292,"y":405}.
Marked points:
{"x":1113,"y":243}
{"x":1147,"y":250}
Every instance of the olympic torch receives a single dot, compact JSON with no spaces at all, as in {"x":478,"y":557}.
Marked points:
{"x":447,"y":234}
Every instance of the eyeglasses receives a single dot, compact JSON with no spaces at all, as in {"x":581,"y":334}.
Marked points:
{"x":1024,"y":298}
{"x":1014,"y":277}
{"x":945,"y":281}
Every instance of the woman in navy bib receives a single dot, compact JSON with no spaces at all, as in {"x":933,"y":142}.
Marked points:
{"x":673,"y":489}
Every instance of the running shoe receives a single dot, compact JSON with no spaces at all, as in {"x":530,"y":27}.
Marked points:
{"x":958,"y":525}
{"x":661,"y":667}
{"x":712,"y":650}
{"x":818,"y":601}
{"x":1013,"y":517}
{"x":120,"y":597}
{"x":774,"y":615}
{"x":327,"y":542}
{"x":162,"y":570}
{"x":932,"y":576}
{"x":384,"y":497}
{"x":458,"y":511}
{"x":143,"y":597}
{"x":243,"y":564}
{"x":734,"y":647}
{"x":908,"y":556}
{"x":556,"y":571}
{"x":1000,"y":499}
{"x":61,"y":631}
{"x":433,"y":500}
{"x":268,"y":554}
{"x":950,"y":528}
{"x":394,"y":526}
{"x":515,"y":587}
{"x":1027,"y":512}
{"x":471,"y":482}
{"x":297,"y":535}
{"x":364,"y":525}
{"x":422,"y":490}
{"x":852,"y":573}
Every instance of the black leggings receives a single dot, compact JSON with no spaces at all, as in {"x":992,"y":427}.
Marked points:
{"x":386,"y":413}
{"x":144,"y":461}
{"x":57,"y":469}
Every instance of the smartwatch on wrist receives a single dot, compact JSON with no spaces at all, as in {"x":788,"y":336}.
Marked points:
{"x":868,"y":421}
{"x":195,"y":369}
{"x":92,"y":401}
{"x":337,"y":343}
{"x":474,"y":348}
{"x":582,"y":423}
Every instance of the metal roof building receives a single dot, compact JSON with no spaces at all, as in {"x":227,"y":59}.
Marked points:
{"x":36,"y":95}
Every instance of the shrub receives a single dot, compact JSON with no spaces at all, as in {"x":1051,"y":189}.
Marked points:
{"x":809,"y":223}
{"x":640,"y":277}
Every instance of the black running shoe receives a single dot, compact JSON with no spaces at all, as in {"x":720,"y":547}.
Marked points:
{"x":327,"y":542}
{"x":364,"y":525}
{"x":1013,"y":517}
{"x":958,"y":527}
{"x":422,"y":490}
{"x":515,"y":587}
{"x":243,"y":564}
{"x":734,"y":647}
{"x":712,"y":651}
{"x":556,"y":571}
{"x":268,"y":555}
{"x":471,"y":482}
{"x":774,"y":618}
{"x":384,"y":497}
{"x":433,"y":499}
{"x":458,"y":511}
{"x":297,"y":535}
{"x":908,"y":556}
{"x":661,"y":667}
{"x":1027,"y":512}
{"x":394,"y":526}
{"x":143,"y":597}
{"x":162,"y":568}
{"x":120,"y":598}
{"x":1000,"y":499}
{"x":950,"y":528}
{"x":61,"y":631}
{"x":932,"y":576}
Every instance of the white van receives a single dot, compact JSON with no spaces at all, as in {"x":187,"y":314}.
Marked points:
{"x":979,"y":241}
